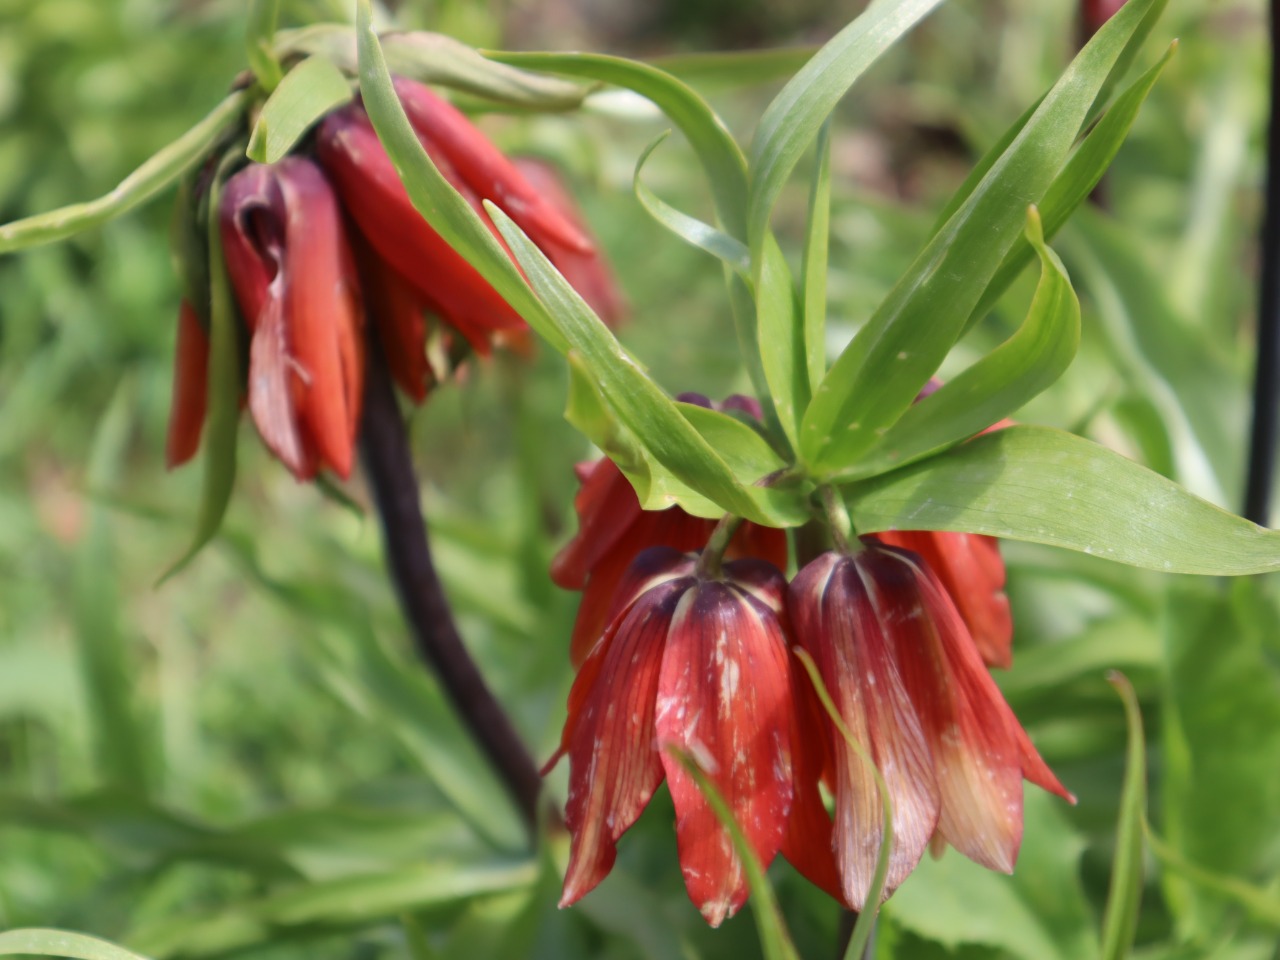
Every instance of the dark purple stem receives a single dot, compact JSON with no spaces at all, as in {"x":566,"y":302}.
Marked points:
{"x":384,"y":448}
{"x":1266,"y":381}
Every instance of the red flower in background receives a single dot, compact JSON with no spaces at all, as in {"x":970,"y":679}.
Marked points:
{"x":909,"y":682}
{"x":294,"y":279}
{"x":703,"y":665}
{"x":298,"y":271}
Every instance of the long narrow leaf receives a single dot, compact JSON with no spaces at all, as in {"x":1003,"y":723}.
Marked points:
{"x":307,"y":92}
{"x":259,"y":41}
{"x":998,"y":384}
{"x":877,"y":377}
{"x":641,"y":405}
{"x":817,"y":240}
{"x":39,"y":942}
{"x":1124,"y":898}
{"x":780,"y":328}
{"x":160,"y":170}
{"x":1047,"y":486}
{"x":793,"y":119}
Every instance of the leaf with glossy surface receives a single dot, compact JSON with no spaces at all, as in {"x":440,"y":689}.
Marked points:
{"x":879,"y":374}
{"x":1047,"y":486}
{"x":640,"y":404}
{"x":1037,"y":354}
{"x":733,"y":253}
{"x":308,"y":91}
{"x":41,"y":942}
{"x":154,"y":175}
{"x":793,"y":119}
{"x":817,"y":241}
{"x":781,"y":331}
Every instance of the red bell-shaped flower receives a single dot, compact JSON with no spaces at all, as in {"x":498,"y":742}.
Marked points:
{"x":295,"y":281}
{"x":908,"y":680}
{"x":702,"y":665}
{"x":190,"y":388}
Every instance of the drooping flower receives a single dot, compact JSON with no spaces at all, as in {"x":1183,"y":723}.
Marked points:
{"x":701,"y":664}
{"x":377,"y":201}
{"x":971,"y":569}
{"x":909,"y":682}
{"x":613,"y":529}
{"x":294,"y":278}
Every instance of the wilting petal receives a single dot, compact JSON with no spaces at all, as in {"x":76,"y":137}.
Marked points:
{"x":323,"y":317}
{"x":613,"y":766}
{"x":972,"y":571}
{"x":587,"y":272}
{"x":485,"y":168}
{"x":190,"y":388}
{"x":275,"y":393}
{"x":374,"y":196}
{"x":251,"y":219}
{"x":844,"y":611}
{"x":724,"y":697}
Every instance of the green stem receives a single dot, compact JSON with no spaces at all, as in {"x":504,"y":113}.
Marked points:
{"x":709,"y":563}
{"x":842,"y":531}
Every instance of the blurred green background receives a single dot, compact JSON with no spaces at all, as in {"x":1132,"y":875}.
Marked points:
{"x":248,"y":759}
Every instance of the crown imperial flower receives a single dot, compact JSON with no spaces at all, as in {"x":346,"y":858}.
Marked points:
{"x":908,"y":680}
{"x":702,"y":665}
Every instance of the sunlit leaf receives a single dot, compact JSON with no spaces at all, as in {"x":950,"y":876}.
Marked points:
{"x":998,"y":384}
{"x":817,"y":239}
{"x":1047,"y":486}
{"x":310,"y":90}
{"x":781,"y":330}
{"x":879,"y":374}
{"x":61,"y":943}
{"x":260,"y":30}
{"x":154,"y":175}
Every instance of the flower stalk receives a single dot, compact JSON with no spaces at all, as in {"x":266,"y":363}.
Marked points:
{"x":388,"y":463}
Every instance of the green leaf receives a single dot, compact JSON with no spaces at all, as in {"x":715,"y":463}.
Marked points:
{"x":817,"y":239}
{"x":793,"y":119}
{"x":61,"y":943}
{"x":733,"y":253}
{"x":1220,"y":790}
{"x":775,"y":941}
{"x":997,"y":385}
{"x":1124,"y":898}
{"x":224,"y":387}
{"x":1078,"y":178}
{"x":432,"y":195}
{"x":1039,"y":913}
{"x":719,"y":153}
{"x":781,"y":331}
{"x":742,"y":447}
{"x":154,"y":175}
{"x":640,"y":404}
{"x":1047,"y":486}
{"x":437,"y":59}
{"x":877,"y":377}
{"x":259,"y":40}
{"x":308,"y":91}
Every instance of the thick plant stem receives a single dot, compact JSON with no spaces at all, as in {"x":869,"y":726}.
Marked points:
{"x":384,"y":448}
{"x":1266,"y":382}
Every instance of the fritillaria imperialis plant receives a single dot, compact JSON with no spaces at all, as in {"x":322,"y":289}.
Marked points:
{"x":791,"y":601}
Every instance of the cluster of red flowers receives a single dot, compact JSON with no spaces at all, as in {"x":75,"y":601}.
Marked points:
{"x":326,"y":239}
{"x":902,"y":628}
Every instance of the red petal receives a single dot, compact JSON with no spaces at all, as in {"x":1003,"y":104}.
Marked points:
{"x":374,"y":196}
{"x":273,"y":397}
{"x":190,"y":388}
{"x":488,"y":171}
{"x":613,"y":766}
{"x":251,"y":217}
{"x":606,"y":506}
{"x":970,"y":727}
{"x":724,"y":697}
{"x":842,"y":612}
{"x":322,"y":313}
{"x":397,"y":312}
{"x":972,"y":571}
